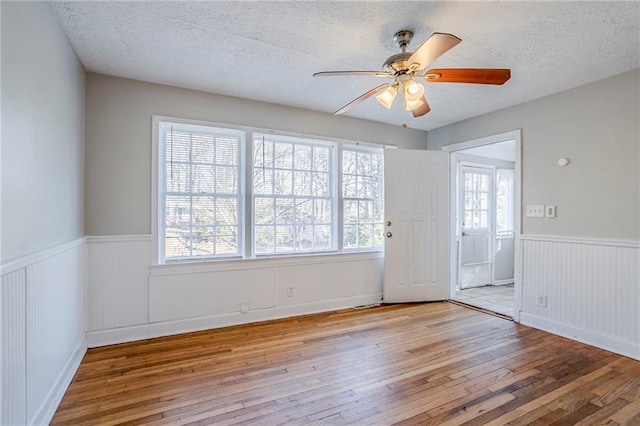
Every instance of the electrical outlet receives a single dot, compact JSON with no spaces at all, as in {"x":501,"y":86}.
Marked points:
{"x":535,"y":210}
{"x":542,"y":300}
{"x":290,"y":291}
{"x":244,"y":306}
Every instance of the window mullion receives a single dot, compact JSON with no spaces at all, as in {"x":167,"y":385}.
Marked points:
{"x":249,"y":233}
{"x":340,"y":202}
{"x":190,"y":194}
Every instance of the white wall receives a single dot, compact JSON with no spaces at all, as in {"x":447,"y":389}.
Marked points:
{"x":42,"y":279}
{"x":586,"y":260}
{"x":127,"y":299}
{"x":42,"y":132}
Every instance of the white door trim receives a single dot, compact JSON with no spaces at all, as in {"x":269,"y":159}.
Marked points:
{"x":516,"y":135}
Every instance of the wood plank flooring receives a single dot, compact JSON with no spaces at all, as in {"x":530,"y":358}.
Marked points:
{"x":419,"y":364}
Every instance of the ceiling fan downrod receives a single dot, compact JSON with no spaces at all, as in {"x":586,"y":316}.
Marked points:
{"x":398,"y":63}
{"x":403,"y":38}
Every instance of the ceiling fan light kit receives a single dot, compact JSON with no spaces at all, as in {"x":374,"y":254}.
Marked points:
{"x":387,"y":97}
{"x":405,"y":67}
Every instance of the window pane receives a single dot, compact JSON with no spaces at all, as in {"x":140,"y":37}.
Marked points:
{"x":350,"y":237}
{"x":362,"y":188}
{"x":302,"y":158}
{"x":265,"y":239}
{"x":177,"y":242}
{"x":285,"y":210}
{"x":349,"y":162}
{"x":283,"y":155}
{"x":322,"y":237}
{"x":226,"y":180}
{"x":320,"y":185}
{"x":226,"y":241}
{"x":264,"y":211}
{"x":177,"y":146}
{"x":322,"y":211}
{"x":202,"y":241}
{"x":263,"y":181}
{"x":226,"y":211}
{"x":203,"y":211}
{"x":263,"y":154}
{"x":177,"y":177}
{"x":304,"y":211}
{"x":284,"y":239}
{"x":203,"y":148}
{"x":300,"y":199}
{"x":365,"y":236}
{"x":283,"y":182}
{"x":349,"y":186}
{"x":350,"y":209}
{"x":203,"y":178}
{"x":226,"y":151}
{"x":201,"y":164}
{"x":302,"y":183}
{"x":177,"y":211}
{"x":321,"y":159}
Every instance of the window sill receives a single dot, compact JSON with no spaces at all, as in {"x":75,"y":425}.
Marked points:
{"x":235,"y":263}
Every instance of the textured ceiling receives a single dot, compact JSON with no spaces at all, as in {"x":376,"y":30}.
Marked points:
{"x":268,"y":51}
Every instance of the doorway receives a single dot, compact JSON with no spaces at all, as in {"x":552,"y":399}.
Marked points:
{"x":485,"y":228}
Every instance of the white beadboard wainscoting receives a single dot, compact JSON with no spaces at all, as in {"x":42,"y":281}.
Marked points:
{"x":129,"y":299}
{"x":592,"y":290}
{"x":43,"y":327}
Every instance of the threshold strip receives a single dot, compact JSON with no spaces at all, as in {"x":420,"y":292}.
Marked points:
{"x":485,"y":311}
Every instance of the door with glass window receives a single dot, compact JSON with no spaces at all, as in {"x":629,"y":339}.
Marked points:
{"x":475,"y":261}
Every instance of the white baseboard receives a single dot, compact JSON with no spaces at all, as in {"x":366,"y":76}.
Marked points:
{"x":47,"y":409}
{"x":167,"y":328}
{"x":599,"y":340}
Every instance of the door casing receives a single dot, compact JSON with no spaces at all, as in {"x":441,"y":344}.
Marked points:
{"x":515,"y":135}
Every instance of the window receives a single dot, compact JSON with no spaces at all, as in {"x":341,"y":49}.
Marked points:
{"x":362,"y":192}
{"x":200,"y":193}
{"x":505,"y":202}
{"x":301,"y":195}
{"x":477,"y":194}
{"x":293,"y":201}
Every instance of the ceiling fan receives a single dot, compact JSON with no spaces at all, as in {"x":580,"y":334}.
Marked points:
{"x":404,"y":68}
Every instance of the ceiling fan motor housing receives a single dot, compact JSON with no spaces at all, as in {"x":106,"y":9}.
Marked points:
{"x":398,"y":62}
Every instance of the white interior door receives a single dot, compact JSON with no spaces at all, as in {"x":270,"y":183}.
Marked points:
{"x":476,"y":228}
{"x":416,"y":260}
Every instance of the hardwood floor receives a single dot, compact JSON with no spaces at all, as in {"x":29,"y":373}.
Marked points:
{"x":422,"y":364}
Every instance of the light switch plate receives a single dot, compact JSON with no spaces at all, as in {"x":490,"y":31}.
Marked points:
{"x":550,"y":211}
{"x":535,"y":210}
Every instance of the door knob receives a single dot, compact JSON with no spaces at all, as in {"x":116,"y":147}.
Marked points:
{"x":388,"y":223}
{"x":464,"y":234}
{"x":389,"y":234}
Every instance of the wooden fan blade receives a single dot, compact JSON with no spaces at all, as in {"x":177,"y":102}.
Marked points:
{"x":431,"y":49}
{"x":468,"y":75}
{"x":361,"y":98}
{"x":338,"y":73}
{"x":422,"y":109}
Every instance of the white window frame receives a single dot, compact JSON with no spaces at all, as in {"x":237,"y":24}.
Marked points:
{"x":358,"y":148}
{"x":331,"y":184}
{"x":160,"y":196}
{"x":246,"y":219}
